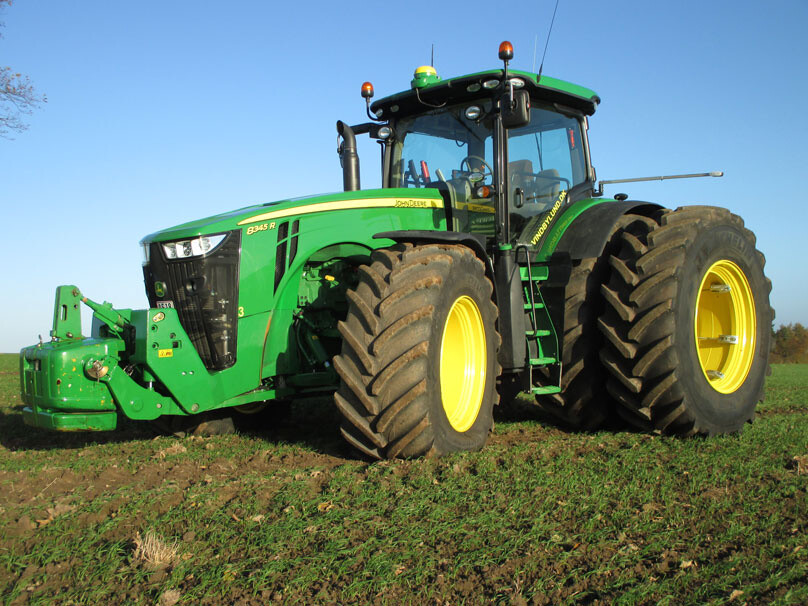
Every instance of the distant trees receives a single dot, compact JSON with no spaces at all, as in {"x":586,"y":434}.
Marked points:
{"x":17,"y":96}
{"x":789,"y":344}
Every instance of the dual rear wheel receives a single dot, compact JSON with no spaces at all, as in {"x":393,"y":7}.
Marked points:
{"x":669,"y":329}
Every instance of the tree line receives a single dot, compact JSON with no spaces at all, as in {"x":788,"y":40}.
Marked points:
{"x":789,"y":344}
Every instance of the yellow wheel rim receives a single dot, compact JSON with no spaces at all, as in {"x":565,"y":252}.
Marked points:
{"x":725,"y":326}
{"x":462,"y":364}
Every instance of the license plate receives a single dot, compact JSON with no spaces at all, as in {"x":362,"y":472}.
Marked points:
{"x":165,"y":304}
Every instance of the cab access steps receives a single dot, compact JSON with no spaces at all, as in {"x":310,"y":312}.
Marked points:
{"x":542,"y":341}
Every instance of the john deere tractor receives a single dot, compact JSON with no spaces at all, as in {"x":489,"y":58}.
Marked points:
{"x":488,"y":264}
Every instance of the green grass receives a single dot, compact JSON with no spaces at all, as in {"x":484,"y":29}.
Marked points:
{"x":539,"y":516}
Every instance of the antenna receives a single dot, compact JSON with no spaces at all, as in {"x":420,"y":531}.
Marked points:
{"x":432,"y":60}
{"x":546,"y":44}
{"x":535,"y":43}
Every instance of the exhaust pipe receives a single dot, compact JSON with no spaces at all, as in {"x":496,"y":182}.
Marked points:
{"x":348,"y":157}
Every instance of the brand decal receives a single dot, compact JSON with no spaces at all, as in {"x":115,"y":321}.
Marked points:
{"x":549,"y":218}
{"x":254,"y":229}
{"x":415,"y":203}
{"x":160,"y":289}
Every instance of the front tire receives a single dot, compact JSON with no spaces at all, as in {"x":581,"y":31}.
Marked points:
{"x":688,"y":323}
{"x":418,"y":364}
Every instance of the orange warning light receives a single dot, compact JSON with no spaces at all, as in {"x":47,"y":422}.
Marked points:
{"x":506,"y":51}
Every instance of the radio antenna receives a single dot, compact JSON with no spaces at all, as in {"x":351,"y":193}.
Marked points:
{"x":432,"y":60}
{"x":546,"y":44}
{"x":535,"y":44}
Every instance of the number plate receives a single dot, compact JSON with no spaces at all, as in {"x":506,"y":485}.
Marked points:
{"x":165,"y":304}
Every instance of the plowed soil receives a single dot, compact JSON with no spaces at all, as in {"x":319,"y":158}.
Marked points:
{"x":289,"y":514}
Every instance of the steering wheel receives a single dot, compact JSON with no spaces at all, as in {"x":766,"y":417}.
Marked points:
{"x":486,"y":166}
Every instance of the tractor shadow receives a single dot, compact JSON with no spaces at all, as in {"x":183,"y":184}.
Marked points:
{"x":312,"y":423}
{"x":15,"y":435}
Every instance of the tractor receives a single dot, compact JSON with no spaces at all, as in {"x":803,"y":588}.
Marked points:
{"x":488,"y":264}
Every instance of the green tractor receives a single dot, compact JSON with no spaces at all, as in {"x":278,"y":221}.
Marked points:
{"x":488,"y":264}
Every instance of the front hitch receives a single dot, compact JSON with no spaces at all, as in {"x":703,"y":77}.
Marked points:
{"x":139,"y":363}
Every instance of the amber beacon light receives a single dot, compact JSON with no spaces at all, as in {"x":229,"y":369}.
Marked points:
{"x":506,"y":51}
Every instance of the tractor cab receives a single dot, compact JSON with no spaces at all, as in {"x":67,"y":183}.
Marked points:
{"x":506,"y":149}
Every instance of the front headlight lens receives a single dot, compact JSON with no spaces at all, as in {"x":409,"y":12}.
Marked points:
{"x":192,"y":248}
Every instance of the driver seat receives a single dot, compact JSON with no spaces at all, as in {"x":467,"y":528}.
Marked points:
{"x":547,"y":187}
{"x":521,"y":174}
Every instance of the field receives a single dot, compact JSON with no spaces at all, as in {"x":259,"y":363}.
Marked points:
{"x":289,"y":515}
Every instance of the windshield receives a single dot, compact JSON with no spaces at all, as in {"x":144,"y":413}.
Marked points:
{"x":443,"y":145}
{"x":443,"y":148}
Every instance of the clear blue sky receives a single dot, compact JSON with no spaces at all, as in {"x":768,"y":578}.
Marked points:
{"x":163,"y":111}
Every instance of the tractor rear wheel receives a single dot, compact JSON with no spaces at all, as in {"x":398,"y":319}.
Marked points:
{"x":580,"y":404}
{"x":583,"y":403}
{"x":688,"y":323}
{"x":418,"y":364}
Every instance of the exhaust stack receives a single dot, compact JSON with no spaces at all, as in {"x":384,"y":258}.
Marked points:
{"x":348,"y":157}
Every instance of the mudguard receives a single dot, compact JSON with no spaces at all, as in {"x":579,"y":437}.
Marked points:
{"x":475,"y":242}
{"x":587,"y":235}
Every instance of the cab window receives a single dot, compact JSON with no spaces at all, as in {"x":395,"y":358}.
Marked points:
{"x":545,"y":159}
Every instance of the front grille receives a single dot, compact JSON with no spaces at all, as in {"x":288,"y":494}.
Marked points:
{"x":204,"y":291}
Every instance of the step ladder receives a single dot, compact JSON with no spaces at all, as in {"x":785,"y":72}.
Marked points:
{"x":541,"y":338}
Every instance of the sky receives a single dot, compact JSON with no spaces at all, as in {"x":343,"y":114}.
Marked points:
{"x":160,"y":112}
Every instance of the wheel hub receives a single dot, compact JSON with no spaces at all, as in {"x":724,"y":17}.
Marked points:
{"x":725,"y":326}
{"x":462,"y":364}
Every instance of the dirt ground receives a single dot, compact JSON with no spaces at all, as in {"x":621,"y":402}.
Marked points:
{"x":291,"y":515}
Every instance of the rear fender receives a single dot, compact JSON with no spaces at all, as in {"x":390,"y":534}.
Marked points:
{"x":584,"y":235}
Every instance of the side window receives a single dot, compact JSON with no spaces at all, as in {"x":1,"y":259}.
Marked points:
{"x":540,"y":165}
{"x":545,"y":159}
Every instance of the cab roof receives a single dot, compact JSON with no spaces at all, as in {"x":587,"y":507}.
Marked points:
{"x":471,"y":86}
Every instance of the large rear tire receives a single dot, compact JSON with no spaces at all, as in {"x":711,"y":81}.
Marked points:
{"x":583,"y":403}
{"x":580,"y":404}
{"x":688,"y":323}
{"x":418,"y":364}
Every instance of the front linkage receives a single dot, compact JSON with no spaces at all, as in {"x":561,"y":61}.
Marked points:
{"x":142,"y":360}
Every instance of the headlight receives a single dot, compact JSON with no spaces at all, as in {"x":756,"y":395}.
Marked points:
{"x":183,"y":249}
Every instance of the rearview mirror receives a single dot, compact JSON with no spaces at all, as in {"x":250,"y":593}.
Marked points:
{"x":515,"y":109}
